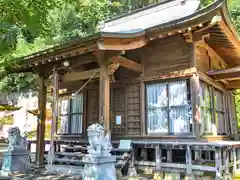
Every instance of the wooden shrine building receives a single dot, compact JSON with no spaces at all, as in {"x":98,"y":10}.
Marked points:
{"x":163,"y":76}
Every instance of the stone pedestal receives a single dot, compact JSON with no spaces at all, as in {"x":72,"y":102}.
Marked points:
{"x":100,"y":167}
{"x":15,"y":162}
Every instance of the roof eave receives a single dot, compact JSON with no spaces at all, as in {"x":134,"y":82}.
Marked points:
{"x":197,"y":16}
{"x":227,"y":19}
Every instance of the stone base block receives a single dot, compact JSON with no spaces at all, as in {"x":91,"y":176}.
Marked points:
{"x":15,"y":161}
{"x":100,"y":168}
{"x":63,"y":169}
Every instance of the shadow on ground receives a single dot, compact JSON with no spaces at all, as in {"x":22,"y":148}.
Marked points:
{"x":41,"y":175}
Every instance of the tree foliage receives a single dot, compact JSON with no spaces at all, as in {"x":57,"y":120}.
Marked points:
{"x":28,"y":26}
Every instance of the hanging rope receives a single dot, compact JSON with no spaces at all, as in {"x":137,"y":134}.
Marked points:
{"x":51,"y":154}
{"x":74,"y":94}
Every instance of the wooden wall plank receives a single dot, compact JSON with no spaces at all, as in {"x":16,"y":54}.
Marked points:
{"x":167,"y":55}
{"x":92,"y":109}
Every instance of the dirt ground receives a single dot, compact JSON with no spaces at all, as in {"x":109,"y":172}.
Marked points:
{"x":40,"y":175}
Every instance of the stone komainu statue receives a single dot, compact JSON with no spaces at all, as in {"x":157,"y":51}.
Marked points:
{"x":15,"y":140}
{"x":16,"y":158}
{"x":99,"y":163}
{"x":99,"y":144}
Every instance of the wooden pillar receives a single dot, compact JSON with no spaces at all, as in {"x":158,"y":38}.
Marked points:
{"x":234,"y":160}
{"x":226,"y":160}
{"x":104,"y":91}
{"x":196,"y":109}
{"x":158,"y":155}
{"x":104,"y":98}
{"x":54,"y":112}
{"x":169,"y":155}
{"x":218,"y":163}
{"x":40,"y":144}
{"x":143,"y":115}
{"x":238,"y":159}
{"x":189,"y":160}
{"x":197,"y":155}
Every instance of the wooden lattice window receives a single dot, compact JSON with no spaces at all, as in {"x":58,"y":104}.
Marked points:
{"x":118,"y":110}
{"x":71,"y":115}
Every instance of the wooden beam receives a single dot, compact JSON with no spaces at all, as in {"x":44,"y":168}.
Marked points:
{"x":121,"y":44}
{"x":225,"y":74}
{"x":122,"y":61}
{"x":41,"y":122}
{"x":175,"y":74}
{"x":78,"y":76}
{"x":82,"y":59}
{"x":234,"y":84}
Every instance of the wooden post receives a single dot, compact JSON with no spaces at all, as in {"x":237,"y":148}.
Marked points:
{"x":104,"y":98}
{"x":158,"y":155}
{"x":104,"y":92}
{"x":40,"y":144}
{"x":226,"y":159}
{"x":189,"y":160}
{"x":234,"y":160}
{"x":197,"y":155}
{"x":237,"y":154}
{"x":195,"y":98}
{"x":54,"y":112}
{"x":169,"y":155}
{"x":142,"y":102}
{"x":218,"y":163}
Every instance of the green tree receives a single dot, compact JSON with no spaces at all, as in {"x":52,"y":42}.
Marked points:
{"x":22,"y":16}
{"x":27,"y":26}
{"x":41,"y":24}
